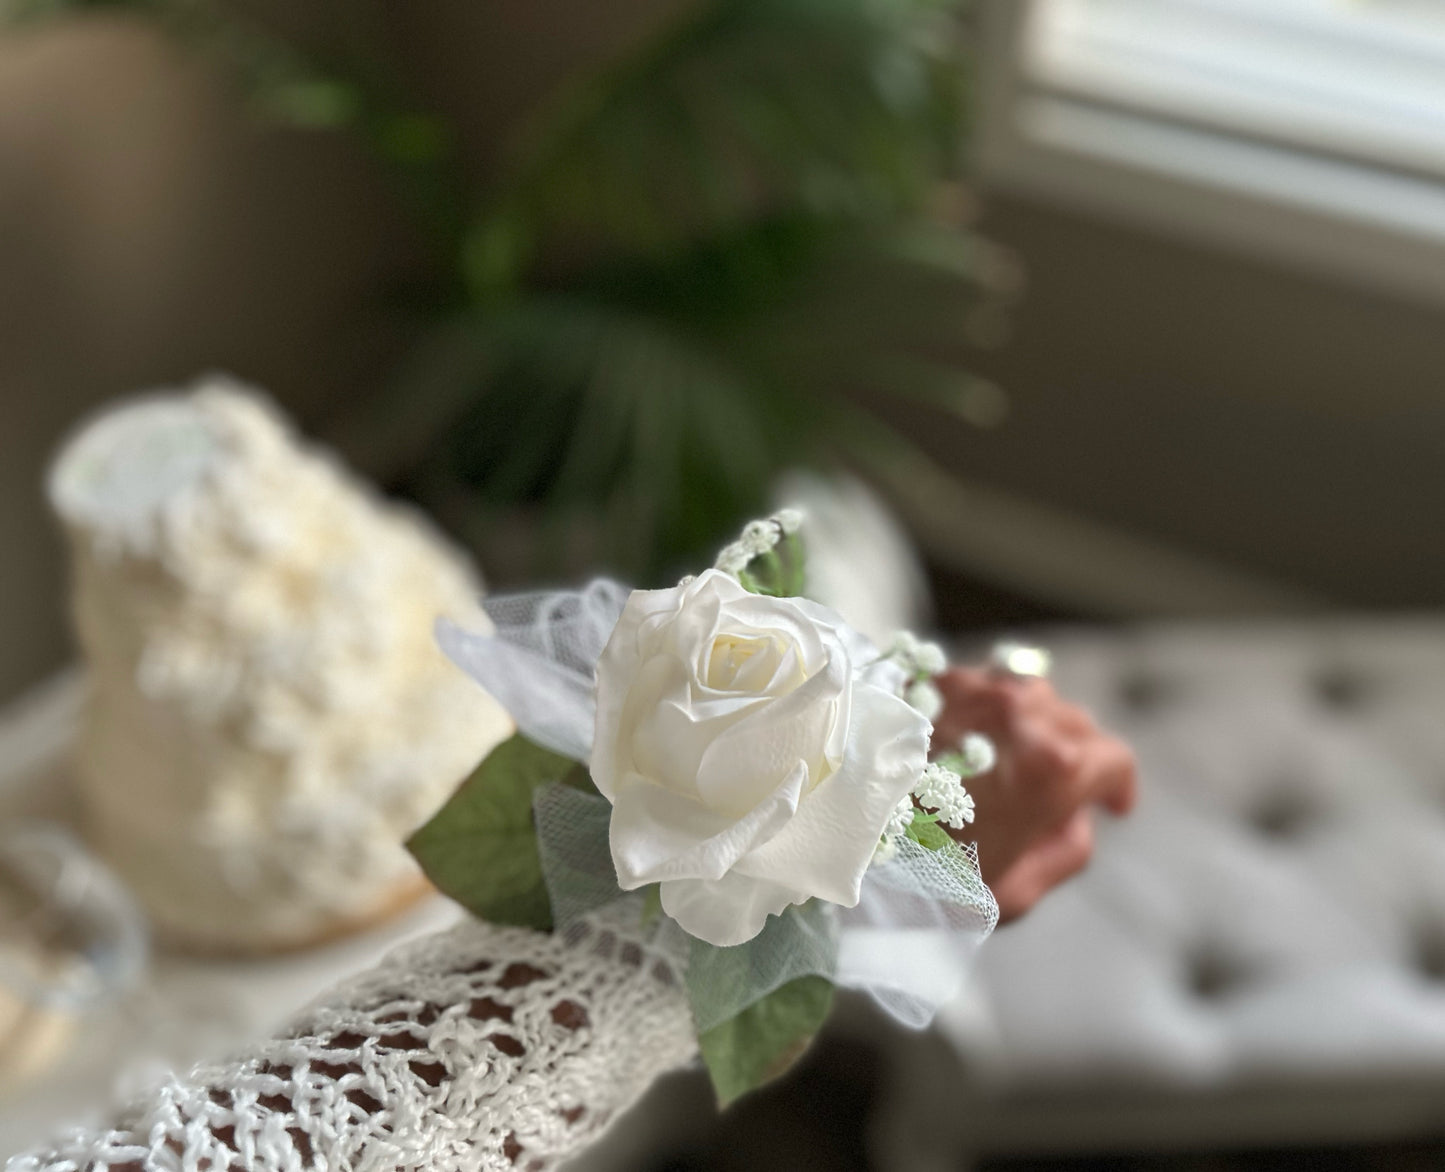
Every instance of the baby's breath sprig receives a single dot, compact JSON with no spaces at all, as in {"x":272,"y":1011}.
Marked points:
{"x":925,"y":697}
{"x":975,"y":755}
{"x":898,"y":825}
{"x":920,"y":661}
{"x":767,"y":557}
{"x":938,"y":799}
{"x":916,"y":656}
{"x":941,"y":790}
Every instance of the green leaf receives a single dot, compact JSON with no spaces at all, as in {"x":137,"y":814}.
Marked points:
{"x":315,"y":103}
{"x":925,"y":831}
{"x":651,"y":904}
{"x":830,"y":106}
{"x":778,"y":573}
{"x":412,"y":138}
{"x":481,"y":847}
{"x":764,"y":1040}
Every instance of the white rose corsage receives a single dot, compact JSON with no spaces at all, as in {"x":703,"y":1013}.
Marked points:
{"x":729,"y":779}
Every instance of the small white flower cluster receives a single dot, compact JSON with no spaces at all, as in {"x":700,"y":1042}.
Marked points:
{"x":927,"y":699}
{"x":916,"y":656}
{"x":941,"y":789}
{"x":921,"y":661}
{"x":976,"y":755}
{"x":758,"y":538}
{"x":900,"y":818}
{"x":938,"y":791}
{"x":896,"y":828}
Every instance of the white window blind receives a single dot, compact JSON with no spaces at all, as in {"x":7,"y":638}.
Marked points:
{"x":1313,"y":128}
{"x":1351,"y":78}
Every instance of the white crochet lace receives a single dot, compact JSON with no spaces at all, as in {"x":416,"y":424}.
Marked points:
{"x":479,"y":1048}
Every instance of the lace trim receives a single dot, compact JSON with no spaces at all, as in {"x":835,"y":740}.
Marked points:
{"x":480,"y":1048}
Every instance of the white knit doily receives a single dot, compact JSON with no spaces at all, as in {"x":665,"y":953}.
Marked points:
{"x":481,"y":1048}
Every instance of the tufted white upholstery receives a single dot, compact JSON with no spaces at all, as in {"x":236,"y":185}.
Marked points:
{"x":1259,"y":953}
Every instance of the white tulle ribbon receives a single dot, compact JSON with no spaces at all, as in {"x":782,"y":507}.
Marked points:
{"x":541,"y":662}
{"x":907,"y":943}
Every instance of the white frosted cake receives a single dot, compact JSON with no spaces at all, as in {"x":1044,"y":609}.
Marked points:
{"x":269,"y":716}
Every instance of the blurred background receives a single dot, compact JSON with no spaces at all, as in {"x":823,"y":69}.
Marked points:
{"x":1128,"y":313}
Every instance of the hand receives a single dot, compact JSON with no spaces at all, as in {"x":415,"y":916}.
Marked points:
{"x":1035,"y":807}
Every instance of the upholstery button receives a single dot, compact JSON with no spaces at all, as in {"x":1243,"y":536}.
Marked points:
{"x":1212,"y":974}
{"x":1430,"y":950}
{"x":1142,"y":691}
{"x":1340,"y":688}
{"x":1285,"y":812}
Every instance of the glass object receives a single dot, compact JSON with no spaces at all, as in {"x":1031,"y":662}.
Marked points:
{"x":71,"y":940}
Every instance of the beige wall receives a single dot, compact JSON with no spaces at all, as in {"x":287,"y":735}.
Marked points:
{"x":148,"y":233}
{"x":1264,"y":418}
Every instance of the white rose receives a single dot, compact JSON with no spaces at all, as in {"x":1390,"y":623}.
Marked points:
{"x":753,"y":750}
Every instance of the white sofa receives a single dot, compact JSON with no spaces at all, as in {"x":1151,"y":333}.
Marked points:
{"x":1258,"y":954}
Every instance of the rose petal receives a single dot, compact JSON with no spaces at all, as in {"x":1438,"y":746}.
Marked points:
{"x":727,"y":911}
{"x":658,"y":739}
{"x":750,"y":663}
{"x":868,"y":662}
{"x":788,"y":674}
{"x":831,"y":839}
{"x":669,"y":742}
{"x":698,"y":618}
{"x":744,"y":762}
{"x":786,"y":618}
{"x":616,"y":667}
{"x":658,"y":834}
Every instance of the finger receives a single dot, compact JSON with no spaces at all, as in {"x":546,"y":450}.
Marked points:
{"x":1098,"y":769}
{"x":959,"y":683}
{"x":972,"y":702}
{"x":1047,"y":761}
{"x":1111,"y":775}
{"x":1061,"y":855}
{"x":973,"y":686}
{"x":1023,"y":697}
{"x":1043,"y":867}
{"x":1074,"y":721}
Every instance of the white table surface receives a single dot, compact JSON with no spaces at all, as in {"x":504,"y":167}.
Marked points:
{"x":186,"y":1010}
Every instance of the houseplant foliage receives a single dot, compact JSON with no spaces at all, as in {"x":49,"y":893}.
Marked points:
{"x":697,"y":267}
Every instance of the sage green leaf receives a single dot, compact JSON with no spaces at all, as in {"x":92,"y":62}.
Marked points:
{"x":778,"y":573}
{"x":955,"y":763}
{"x":926,"y":832}
{"x":481,"y":847}
{"x":651,"y":904}
{"x":764,"y":1040}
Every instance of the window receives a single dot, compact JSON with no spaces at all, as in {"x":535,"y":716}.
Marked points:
{"x":1313,"y":128}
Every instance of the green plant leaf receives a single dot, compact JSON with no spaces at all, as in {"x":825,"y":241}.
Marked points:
{"x":481,"y":847}
{"x":779,"y":573}
{"x":764,"y":1040}
{"x":925,"y":831}
{"x":651,"y":904}
{"x":845,"y":107}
